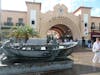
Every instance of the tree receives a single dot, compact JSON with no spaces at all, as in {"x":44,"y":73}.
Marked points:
{"x":24,"y":32}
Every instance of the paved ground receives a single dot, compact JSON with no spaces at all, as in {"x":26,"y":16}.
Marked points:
{"x":82,"y":64}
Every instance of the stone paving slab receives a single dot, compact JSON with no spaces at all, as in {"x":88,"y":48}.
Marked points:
{"x":83,"y":62}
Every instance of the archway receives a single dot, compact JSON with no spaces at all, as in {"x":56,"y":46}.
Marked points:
{"x":61,"y":24}
{"x":60,"y":31}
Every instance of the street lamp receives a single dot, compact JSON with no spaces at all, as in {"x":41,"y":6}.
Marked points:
{"x":0,"y":13}
{"x":0,"y":20}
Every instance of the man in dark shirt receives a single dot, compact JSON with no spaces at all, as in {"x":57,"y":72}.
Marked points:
{"x":83,"y":42}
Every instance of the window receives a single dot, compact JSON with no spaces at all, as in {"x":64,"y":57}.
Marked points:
{"x":33,"y":22}
{"x":85,"y":18}
{"x":92,"y":25}
{"x":60,"y":10}
{"x":20,"y":20}
{"x":33,"y":17}
{"x":9,"y":19}
{"x":85,"y":24}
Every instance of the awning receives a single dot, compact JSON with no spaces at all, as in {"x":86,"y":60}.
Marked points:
{"x":95,"y":34}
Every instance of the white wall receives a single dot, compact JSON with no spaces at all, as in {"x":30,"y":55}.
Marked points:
{"x":85,"y":18}
{"x":33,"y":18}
{"x":78,"y":13}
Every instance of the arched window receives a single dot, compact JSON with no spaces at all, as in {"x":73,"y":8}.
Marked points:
{"x":92,"y":25}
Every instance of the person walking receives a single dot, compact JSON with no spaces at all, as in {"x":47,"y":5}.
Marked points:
{"x":96,"y":50}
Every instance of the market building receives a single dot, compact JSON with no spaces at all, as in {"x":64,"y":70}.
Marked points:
{"x":58,"y":22}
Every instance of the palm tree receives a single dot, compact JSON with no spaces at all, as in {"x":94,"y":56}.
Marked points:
{"x":24,"y":32}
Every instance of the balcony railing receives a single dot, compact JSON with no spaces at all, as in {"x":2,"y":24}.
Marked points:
{"x":6,"y":27}
{"x":8,"y":23}
{"x":20,"y":24}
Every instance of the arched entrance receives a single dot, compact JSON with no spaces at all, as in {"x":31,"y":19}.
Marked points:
{"x":61,"y":31}
{"x":61,"y":25}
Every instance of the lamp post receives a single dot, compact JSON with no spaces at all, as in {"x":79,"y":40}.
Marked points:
{"x":0,"y":21}
{"x":0,"y":13}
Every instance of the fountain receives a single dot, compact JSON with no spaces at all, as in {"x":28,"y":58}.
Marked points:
{"x":29,"y":58}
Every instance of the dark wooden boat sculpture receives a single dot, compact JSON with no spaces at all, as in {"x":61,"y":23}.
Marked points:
{"x":45,"y":52}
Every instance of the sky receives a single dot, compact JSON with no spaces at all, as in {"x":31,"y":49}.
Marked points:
{"x":47,"y":5}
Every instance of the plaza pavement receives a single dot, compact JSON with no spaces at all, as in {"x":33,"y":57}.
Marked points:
{"x":82,"y":64}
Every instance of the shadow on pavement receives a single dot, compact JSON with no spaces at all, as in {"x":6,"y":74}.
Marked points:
{"x":80,"y":49}
{"x":86,"y":69}
{"x":77,"y":69}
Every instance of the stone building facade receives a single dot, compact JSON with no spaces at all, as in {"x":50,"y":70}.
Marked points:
{"x":58,"y":22}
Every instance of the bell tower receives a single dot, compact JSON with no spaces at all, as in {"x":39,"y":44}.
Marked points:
{"x":33,"y":14}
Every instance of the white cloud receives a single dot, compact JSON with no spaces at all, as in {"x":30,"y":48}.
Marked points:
{"x":95,"y":12}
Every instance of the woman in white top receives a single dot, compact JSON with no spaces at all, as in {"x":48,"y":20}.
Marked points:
{"x":96,"y":50}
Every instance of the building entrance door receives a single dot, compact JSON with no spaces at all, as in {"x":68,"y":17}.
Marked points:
{"x":61,"y":32}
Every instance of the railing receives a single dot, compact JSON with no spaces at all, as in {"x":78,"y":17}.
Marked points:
{"x":20,"y":24}
{"x":6,"y":27}
{"x":97,"y":28}
{"x":8,"y":23}
{"x":11,"y":24}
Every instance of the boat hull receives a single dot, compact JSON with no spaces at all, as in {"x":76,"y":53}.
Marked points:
{"x":46,"y":52}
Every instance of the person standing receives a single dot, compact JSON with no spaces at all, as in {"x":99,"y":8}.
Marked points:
{"x":89,"y":44}
{"x":96,"y":50}
{"x":83,"y":42}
